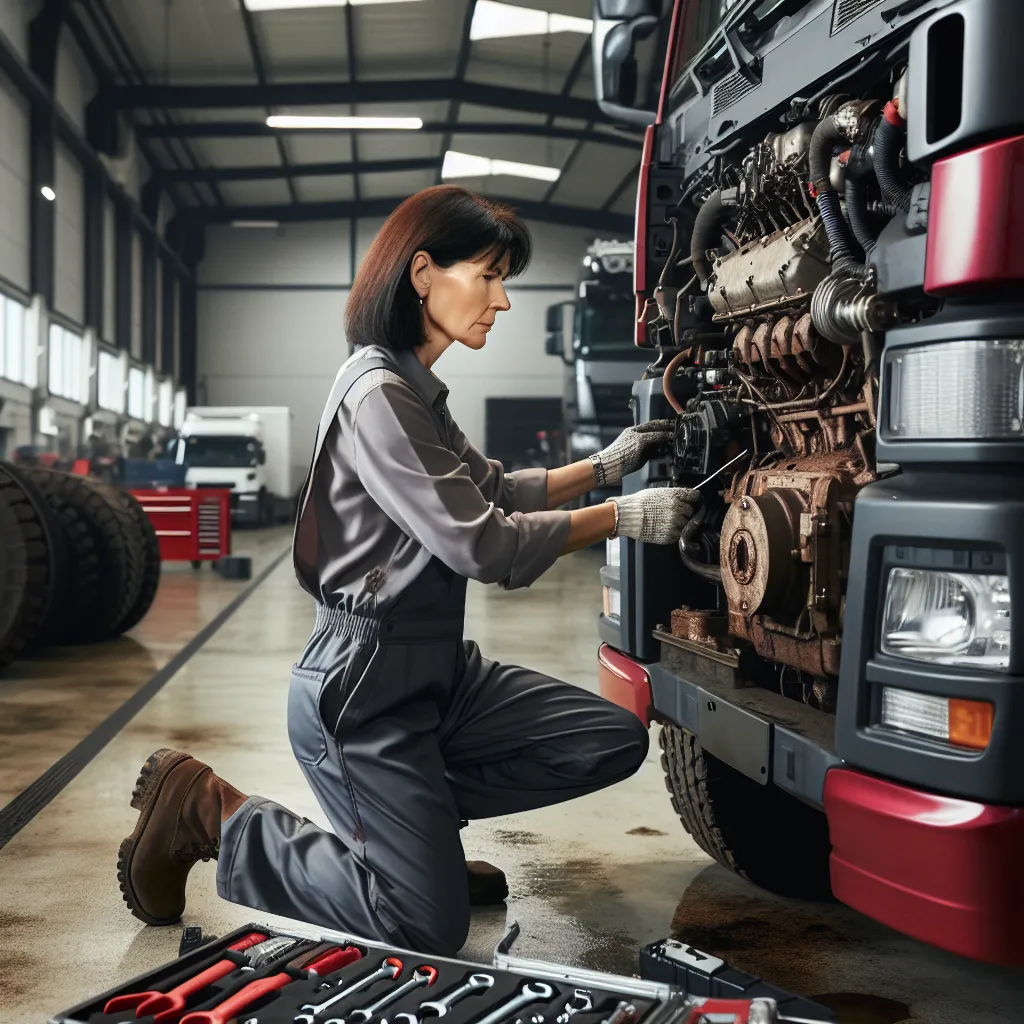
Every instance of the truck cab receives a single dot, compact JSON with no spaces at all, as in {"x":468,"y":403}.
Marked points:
{"x":828,"y":280}
{"x":227,"y":453}
{"x":602,"y":361}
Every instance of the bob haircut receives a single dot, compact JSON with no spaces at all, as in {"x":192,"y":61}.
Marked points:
{"x":450,"y":223}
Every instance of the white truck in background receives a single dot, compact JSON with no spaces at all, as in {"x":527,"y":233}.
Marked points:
{"x":245,"y":450}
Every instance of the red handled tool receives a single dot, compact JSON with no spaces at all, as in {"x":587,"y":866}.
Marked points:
{"x":328,"y":962}
{"x":734,"y":1011}
{"x":166,"y":1005}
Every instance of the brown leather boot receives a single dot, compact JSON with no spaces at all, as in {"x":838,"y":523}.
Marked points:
{"x":181,"y":805}
{"x":487,"y":884}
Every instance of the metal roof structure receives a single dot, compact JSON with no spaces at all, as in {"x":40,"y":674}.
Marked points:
{"x":197,"y":79}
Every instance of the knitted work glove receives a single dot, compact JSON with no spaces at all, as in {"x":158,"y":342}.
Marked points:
{"x":630,"y":450}
{"x":655,"y":515}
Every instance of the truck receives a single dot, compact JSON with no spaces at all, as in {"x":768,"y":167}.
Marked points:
{"x":245,"y":450}
{"x":828,"y":272}
{"x":602,"y":361}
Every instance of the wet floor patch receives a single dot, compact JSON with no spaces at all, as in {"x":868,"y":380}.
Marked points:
{"x":644,"y":830}
{"x":858,"y":1008}
{"x":510,"y":837}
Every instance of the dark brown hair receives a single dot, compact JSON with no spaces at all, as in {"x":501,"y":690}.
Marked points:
{"x":451,"y":224}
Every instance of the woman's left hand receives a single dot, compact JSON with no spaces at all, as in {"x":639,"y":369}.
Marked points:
{"x":630,"y":450}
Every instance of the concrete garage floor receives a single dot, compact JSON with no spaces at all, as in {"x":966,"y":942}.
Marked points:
{"x":591,"y":881}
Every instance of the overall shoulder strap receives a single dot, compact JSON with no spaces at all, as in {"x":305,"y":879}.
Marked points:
{"x":304,"y":538}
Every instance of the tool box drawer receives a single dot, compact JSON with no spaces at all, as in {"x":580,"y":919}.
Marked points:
{"x":263,"y":975}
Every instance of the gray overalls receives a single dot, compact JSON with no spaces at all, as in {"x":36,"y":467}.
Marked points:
{"x":401,"y":727}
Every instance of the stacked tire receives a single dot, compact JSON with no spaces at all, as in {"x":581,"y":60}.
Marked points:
{"x":80,"y":562}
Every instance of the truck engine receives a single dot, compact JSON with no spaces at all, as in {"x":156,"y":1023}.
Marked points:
{"x":772,"y":314}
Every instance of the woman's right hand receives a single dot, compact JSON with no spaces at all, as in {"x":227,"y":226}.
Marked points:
{"x":656,"y":515}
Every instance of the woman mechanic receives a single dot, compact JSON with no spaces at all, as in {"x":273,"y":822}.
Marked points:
{"x":403,"y":729}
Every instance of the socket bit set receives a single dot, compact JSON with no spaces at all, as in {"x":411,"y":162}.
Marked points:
{"x":263,"y":975}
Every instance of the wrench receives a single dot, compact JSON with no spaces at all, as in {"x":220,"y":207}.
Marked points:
{"x":531,"y":992}
{"x":423,"y":975}
{"x":390,"y":968}
{"x":439,"y":1007}
{"x":581,"y":1001}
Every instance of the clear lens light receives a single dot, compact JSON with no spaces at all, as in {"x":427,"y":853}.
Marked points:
{"x":958,"y":390}
{"x":919,"y":713}
{"x":948,"y":618}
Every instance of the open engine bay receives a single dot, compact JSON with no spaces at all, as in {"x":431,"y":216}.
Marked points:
{"x":769,"y":315}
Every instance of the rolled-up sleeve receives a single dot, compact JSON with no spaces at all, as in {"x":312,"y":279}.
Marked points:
{"x":523,"y":491}
{"x":429,"y":491}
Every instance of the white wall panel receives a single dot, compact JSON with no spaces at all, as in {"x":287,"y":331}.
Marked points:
{"x":15,"y":16}
{"x":314,"y":253}
{"x":76,"y":84}
{"x":109,"y":271}
{"x":14,"y":183}
{"x":69,"y":247}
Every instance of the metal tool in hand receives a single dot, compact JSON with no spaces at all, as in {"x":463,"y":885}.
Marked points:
{"x":390,"y":968}
{"x":581,"y":1001}
{"x":439,"y":1007}
{"x":423,"y":975}
{"x":531,"y":992}
{"x":718,"y":472}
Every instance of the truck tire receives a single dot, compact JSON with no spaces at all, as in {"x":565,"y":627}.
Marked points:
{"x":760,"y":832}
{"x":32,"y":563}
{"x":149,"y":544}
{"x":112,"y":530}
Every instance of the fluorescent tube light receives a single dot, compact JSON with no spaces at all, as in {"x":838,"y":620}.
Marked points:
{"x":493,"y":20}
{"x":48,"y":193}
{"x":341,"y":122}
{"x":466,"y":165}
{"x":296,"y":5}
{"x":255,"y":224}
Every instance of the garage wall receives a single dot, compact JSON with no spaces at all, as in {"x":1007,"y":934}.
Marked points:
{"x":271,"y":323}
{"x":14,"y":184}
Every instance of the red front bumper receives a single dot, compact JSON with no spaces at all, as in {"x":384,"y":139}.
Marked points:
{"x":947,"y":871}
{"x":941,"y":869}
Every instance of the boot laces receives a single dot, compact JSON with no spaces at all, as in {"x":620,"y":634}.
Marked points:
{"x":194,"y":850}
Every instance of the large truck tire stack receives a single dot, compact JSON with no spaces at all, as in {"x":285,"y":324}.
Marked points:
{"x":79,"y":560}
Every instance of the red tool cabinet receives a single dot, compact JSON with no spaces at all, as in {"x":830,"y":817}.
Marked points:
{"x":191,"y":525}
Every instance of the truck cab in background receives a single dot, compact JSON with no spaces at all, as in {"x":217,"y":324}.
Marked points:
{"x":602,"y":362}
{"x":244,"y":450}
{"x":828,"y":274}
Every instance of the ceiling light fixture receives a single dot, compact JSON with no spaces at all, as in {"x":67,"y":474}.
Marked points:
{"x":256,"y":224}
{"x":48,"y":193}
{"x":342,"y":123}
{"x":466,"y":165}
{"x":297,"y":5}
{"x":493,"y":20}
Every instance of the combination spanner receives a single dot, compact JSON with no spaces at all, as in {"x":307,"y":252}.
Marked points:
{"x":531,"y":992}
{"x":439,"y":1007}
{"x":423,"y":975}
{"x":390,"y":968}
{"x":581,"y":1001}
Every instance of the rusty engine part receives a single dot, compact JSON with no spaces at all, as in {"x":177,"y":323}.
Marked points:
{"x":784,"y":555}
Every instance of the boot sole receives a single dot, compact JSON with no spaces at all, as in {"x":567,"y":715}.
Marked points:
{"x":156,"y":769}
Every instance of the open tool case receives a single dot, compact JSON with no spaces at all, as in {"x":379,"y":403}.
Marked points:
{"x":253,"y":976}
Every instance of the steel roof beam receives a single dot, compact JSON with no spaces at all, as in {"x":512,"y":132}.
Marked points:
{"x":247,"y":129}
{"x":275,"y":171}
{"x":554,"y":213}
{"x":314,"y":94}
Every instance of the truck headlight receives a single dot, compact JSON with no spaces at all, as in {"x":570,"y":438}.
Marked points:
{"x":948,"y":618}
{"x":962,"y":723}
{"x":585,"y":444}
{"x":957,"y":390}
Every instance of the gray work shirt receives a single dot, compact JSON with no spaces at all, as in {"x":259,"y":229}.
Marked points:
{"x":398,"y":482}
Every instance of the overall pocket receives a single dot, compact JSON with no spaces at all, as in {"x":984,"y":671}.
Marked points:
{"x":305,"y":726}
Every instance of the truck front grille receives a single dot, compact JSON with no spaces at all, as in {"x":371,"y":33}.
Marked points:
{"x":215,"y":486}
{"x":847,"y":11}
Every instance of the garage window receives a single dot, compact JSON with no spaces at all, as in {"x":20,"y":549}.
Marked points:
{"x":110,"y":385}
{"x":17,"y":353}
{"x":180,"y":406}
{"x":165,"y":403}
{"x":68,"y":365}
{"x":136,"y":393}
